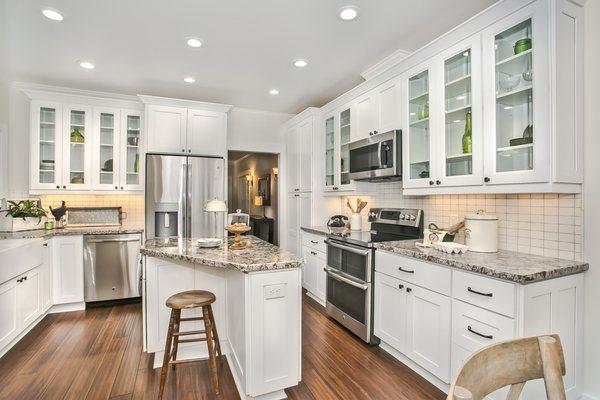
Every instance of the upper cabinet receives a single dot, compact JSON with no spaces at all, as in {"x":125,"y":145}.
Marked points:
{"x":500,"y":111}
{"x":78,"y":147}
{"x":197,"y":128}
{"x":376,"y":111}
{"x":299,"y":142}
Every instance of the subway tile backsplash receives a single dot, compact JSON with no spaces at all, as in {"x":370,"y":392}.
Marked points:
{"x":537,"y":223}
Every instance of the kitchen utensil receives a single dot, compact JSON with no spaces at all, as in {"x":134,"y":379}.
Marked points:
{"x":509,"y":82}
{"x":350,"y":206}
{"x":337,"y":223}
{"x":238,"y":229}
{"x":522,"y":45}
{"x":450,"y":248}
{"x":355,"y":222}
{"x":481,"y":232}
{"x":209,"y":242}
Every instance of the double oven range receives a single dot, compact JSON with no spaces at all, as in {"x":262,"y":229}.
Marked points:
{"x":351,"y":264}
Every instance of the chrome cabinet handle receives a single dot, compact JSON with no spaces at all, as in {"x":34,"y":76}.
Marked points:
{"x":314,"y":242}
{"x":479,"y":334}
{"x":314,"y":253}
{"x":480,"y":293}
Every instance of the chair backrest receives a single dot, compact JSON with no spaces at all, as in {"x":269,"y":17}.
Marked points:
{"x":513,"y":363}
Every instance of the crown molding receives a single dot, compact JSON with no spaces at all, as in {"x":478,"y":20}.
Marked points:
{"x":309,"y":112}
{"x":385,"y":64}
{"x":167,"y":101}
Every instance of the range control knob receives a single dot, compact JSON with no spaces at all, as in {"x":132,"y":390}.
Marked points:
{"x":412,"y":217}
{"x":402,"y":216}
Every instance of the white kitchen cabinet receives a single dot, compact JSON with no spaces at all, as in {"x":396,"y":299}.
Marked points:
{"x":106,"y":162}
{"x":390,"y":311}
{"x":365,"y":113}
{"x":299,"y":214}
{"x":29,"y":296}
{"x":131,"y":162}
{"x":206,"y":133}
{"x":45,"y":166}
{"x":167,"y":129}
{"x":314,"y":278}
{"x":428,"y":330}
{"x":377,"y":111}
{"x":179,"y":126}
{"x":67,"y":269}
{"x":46,"y":272}
{"x":77,"y":147}
{"x":9,"y":325}
{"x":309,"y":281}
{"x":299,"y":155}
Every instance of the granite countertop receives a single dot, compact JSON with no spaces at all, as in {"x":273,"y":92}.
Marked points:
{"x":261,"y":256}
{"x":317,"y":230}
{"x":506,"y":265}
{"x":91,"y":230}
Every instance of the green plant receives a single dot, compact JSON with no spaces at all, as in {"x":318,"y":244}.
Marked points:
{"x":25,"y":209}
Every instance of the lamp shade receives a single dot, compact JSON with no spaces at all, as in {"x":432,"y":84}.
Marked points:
{"x":215,"y":206}
{"x":258,"y":201}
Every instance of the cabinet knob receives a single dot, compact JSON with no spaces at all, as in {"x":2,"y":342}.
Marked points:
{"x":408,"y":290}
{"x":486,"y":179}
{"x":438,"y":182}
{"x":335,"y":188}
{"x":121,"y":187}
{"x":370,"y":133}
{"x":64,"y":186}
{"x":183,"y":150}
{"x":296,"y":195}
{"x":400,"y":286}
{"x":431,"y":183}
{"x":190,"y":150}
{"x":116,"y":187}
{"x":45,"y":245}
{"x":375,"y":132}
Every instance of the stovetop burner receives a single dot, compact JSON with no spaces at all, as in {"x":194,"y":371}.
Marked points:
{"x":387,"y":224}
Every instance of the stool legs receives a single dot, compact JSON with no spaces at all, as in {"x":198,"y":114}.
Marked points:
{"x":212,"y":362}
{"x":175,"y":316}
{"x":215,"y":334}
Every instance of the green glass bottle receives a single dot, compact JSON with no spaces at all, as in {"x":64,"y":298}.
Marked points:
{"x":467,"y":139}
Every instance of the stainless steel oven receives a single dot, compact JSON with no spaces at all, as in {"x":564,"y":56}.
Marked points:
{"x":349,"y":291}
{"x":377,"y":157}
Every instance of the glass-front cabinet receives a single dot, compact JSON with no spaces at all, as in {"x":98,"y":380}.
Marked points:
{"x":338,"y":133}
{"x":329,"y":152}
{"x":46,"y":146}
{"x":77,"y":150}
{"x":131,"y":157}
{"x":516,"y":94}
{"x":106,"y":123}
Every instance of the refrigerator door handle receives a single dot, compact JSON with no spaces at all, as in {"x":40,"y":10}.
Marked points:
{"x":188,"y":211}
{"x":182,"y":201}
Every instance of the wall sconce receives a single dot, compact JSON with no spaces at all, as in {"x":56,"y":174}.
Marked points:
{"x":275,"y":171}
{"x":250,"y":179}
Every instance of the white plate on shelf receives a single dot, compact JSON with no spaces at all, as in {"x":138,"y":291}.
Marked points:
{"x":208,"y":242}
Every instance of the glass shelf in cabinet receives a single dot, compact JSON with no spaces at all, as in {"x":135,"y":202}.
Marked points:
{"x":515,"y":97}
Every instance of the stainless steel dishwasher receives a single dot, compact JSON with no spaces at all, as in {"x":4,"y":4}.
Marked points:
{"x":112,"y":267}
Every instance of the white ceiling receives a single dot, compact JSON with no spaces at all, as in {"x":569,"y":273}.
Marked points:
{"x":138,"y":46}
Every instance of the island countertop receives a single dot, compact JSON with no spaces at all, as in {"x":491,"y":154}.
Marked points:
{"x":506,"y":265}
{"x":261,"y":256}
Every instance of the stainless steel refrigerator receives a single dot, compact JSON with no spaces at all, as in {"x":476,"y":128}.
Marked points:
{"x":177,"y":188}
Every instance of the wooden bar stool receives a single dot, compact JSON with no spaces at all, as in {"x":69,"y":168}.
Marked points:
{"x":185,"y":300}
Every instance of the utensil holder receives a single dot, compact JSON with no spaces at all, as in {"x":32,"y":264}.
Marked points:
{"x":355,"y":222}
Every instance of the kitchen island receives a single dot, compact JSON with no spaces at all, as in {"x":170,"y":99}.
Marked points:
{"x":257,"y":311}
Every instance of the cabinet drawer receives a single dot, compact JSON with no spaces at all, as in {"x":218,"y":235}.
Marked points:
{"x":474,"y":328}
{"x":485,"y":292}
{"x":430,"y":276}
{"x":315,"y":242}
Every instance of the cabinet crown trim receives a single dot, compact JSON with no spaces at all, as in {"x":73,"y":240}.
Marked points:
{"x":167,"y":101}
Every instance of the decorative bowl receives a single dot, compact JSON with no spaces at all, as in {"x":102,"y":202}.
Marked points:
{"x":522,"y":45}
{"x":509,"y":82}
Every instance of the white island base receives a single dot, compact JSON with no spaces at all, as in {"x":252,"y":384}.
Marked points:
{"x":258,"y":318}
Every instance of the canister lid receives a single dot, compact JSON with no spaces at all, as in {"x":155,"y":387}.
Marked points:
{"x":481,"y":215}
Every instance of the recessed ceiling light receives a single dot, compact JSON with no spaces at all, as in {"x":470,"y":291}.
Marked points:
{"x":348,"y":13}
{"x":274,"y":91}
{"x":86,"y":65}
{"x":52,"y":14}
{"x":300,"y":63}
{"x":189,"y":79}
{"x":194,"y":42}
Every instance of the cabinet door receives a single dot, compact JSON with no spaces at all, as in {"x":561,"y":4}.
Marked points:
{"x":516,"y":97}
{"x":46,"y":277}
{"x":388,"y":106}
{"x":345,"y":137}
{"x":321,"y":279}
{"x":365,"y":116}
{"x":462,"y":142}
{"x":390,"y":311}
{"x":305,"y":156}
{"x":292,"y":223}
{"x":293,"y":159}
{"x":77,"y":147}
{"x":329,"y":153}
{"x":206,"y":133}
{"x":131,"y":165}
{"x":310,"y":269}
{"x":67,"y":269}
{"x":166,"y":129}
{"x":106,"y":142}
{"x":304,"y":208}
{"x":29,"y":291}
{"x":418,"y":154}
{"x":8,"y":312}
{"x":46,"y":145}
{"x":428,"y":331}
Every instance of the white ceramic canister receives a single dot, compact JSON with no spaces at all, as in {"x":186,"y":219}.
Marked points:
{"x":355,"y":222}
{"x":481,"y":232}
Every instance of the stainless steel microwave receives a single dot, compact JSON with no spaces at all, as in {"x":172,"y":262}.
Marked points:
{"x":377,"y":157}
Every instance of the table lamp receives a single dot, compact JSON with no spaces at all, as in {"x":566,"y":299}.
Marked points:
{"x":258,"y":201}
{"x":215,"y":207}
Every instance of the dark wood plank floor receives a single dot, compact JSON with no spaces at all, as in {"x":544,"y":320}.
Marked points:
{"x":97,"y":354}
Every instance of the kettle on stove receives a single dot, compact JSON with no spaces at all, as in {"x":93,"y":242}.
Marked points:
{"x":337,"y":223}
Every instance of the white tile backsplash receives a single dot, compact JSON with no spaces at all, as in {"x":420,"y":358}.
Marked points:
{"x":543,"y":224}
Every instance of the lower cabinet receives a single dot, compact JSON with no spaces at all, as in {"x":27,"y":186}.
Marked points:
{"x":8,"y":312}
{"x":415,"y":321}
{"x":47,"y":287}
{"x":314,"y":277}
{"x":67,"y":269}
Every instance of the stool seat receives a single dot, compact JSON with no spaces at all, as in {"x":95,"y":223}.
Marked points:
{"x":190,"y":299}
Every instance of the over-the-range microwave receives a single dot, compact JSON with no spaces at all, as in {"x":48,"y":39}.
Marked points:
{"x":377,"y":158}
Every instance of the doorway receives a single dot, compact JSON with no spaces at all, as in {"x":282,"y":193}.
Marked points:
{"x":253,"y":188}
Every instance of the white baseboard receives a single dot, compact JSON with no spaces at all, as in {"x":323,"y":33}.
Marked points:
{"x":6,"y":348}
{"x":315,"y":298}
{"x":60,"y":308}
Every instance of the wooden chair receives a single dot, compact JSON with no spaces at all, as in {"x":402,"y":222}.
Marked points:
{"x":513,"y":363}
{"x":185,"y":300}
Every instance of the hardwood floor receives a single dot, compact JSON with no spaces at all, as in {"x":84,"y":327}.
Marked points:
{"x":97,"y":354}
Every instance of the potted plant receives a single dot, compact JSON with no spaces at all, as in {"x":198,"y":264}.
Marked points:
{"x":22,"y":216}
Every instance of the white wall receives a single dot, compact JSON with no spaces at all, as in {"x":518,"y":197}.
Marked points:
{"x":591,"y":198}
{"x":256,"y":130}
{"x":4,"y":95}
{"x":18,"y":144}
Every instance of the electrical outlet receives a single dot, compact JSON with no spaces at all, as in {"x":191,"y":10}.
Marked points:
{"x":274,"y":291}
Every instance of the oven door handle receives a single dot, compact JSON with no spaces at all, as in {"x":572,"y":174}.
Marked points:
{"x":354,"y":250}
{"x":340,"y":278}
